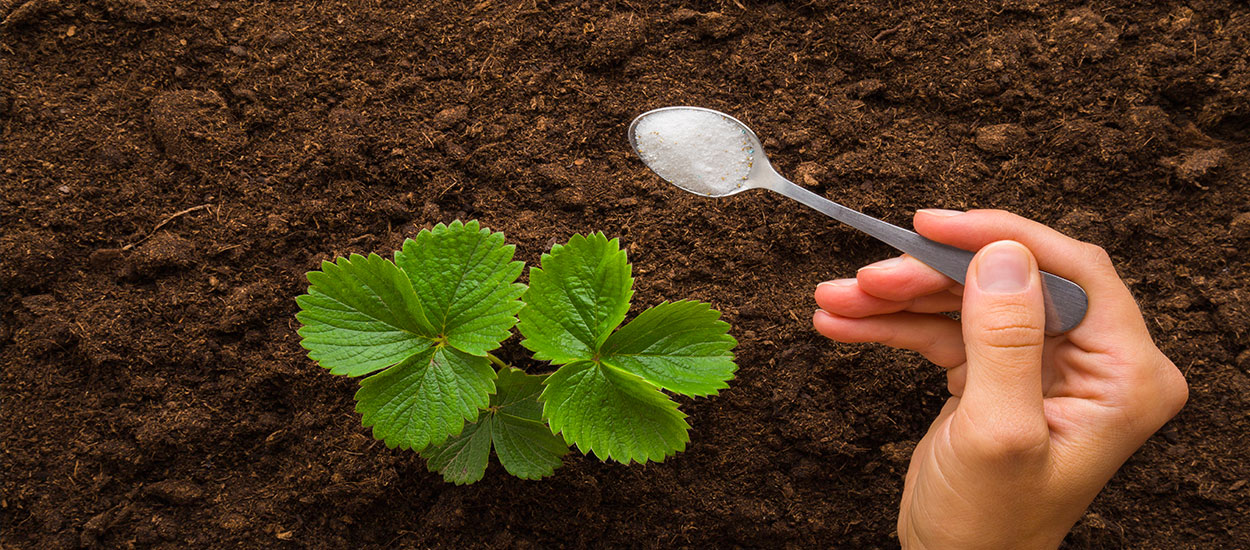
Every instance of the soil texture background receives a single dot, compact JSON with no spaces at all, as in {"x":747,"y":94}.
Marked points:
{"x":170,"y":170}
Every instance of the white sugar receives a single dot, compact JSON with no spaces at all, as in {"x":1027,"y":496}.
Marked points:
{"x":699,"y":151}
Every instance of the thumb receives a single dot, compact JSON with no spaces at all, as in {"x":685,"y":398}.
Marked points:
{"x":1003,"y":325}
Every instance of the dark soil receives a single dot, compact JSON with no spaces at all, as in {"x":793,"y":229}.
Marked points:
{"x":170,"y":170}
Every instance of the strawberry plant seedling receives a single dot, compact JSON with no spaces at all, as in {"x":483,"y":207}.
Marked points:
{"x":422,"y":329}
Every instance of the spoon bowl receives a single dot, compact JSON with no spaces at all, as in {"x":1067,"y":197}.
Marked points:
{"x":758,"y":160}
{"x":712,"y":154}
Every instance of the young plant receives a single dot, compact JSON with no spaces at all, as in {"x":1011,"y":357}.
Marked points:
{"x":424,"y":326}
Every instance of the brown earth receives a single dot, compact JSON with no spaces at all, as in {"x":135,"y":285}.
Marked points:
{"x":170,"y":170}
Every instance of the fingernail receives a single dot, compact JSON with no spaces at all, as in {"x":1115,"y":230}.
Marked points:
{"x":939,"y":212}
{"x":883,"y":264}
{"x":1003,"y":268}
{"x":840,"y":282}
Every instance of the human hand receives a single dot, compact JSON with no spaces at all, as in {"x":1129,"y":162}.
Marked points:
{"x":1036,"y":424}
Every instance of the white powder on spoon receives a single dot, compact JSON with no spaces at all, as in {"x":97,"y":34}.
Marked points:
{"x":696,"y":150}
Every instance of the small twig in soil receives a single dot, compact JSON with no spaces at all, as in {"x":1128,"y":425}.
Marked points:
{"x":168,"y":219}
{"x":454,"y":182}
{"x":887,"y":32}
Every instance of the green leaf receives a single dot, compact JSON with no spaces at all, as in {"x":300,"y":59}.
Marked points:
{"x":612,"y":413}
{"x":517,"y":394}
{"x":462,"y":460}
{"x":361,"y":315}
{"x":527,"y":448}
{"x":524,"y":443}
{"x":681,"y":346}
{"x":465,"y":279}
{"x":432,"y":316}
{"x":579,"y":295}
{"x":426,"y":398}
{"x":513,"y":424}
{"x":607,"y":397}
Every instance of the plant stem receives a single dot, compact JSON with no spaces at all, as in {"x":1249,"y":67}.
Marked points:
{"x":497,"y":361}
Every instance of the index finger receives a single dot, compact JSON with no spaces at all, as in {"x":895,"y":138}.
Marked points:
{"x":1112,"y":309}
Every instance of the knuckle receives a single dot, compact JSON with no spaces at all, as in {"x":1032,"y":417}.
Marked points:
{"x":1011,"y":325}
{"x":955,"y":383}
{"x":930,"y":343}
{"x":1097,"y":255}
{"x":1007,"y":441}
{"x":1175,"y":390}
{"x":1013,"y":309}
{"x":1013,"y":335}
{"x":1157,"y":395}
{"x":1006,"y":312}
{"x":1006,"y":437}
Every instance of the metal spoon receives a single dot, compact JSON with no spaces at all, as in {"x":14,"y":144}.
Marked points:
{"x":1065,"y":300}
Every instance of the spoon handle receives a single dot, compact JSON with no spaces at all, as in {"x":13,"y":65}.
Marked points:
{"x":1065,"y":300}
